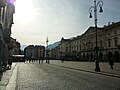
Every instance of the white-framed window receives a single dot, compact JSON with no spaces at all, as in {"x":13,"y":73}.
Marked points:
{"x":109,"y":43}
{"x":116,"y":41}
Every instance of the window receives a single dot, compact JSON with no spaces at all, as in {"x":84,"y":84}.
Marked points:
{"x":84,"y":46}
{"x":100,"y":36}
{"x":66,"y":49}
{"x":77,"y":47}
{"x":91,"y":45}
{"x":108,"y":34}
{"x":80,"y":47}
{"x":74,"y":48}
{"x":116,"y":42}
{"x":109,"y":43}
{"x":70,"y":48}
{"x":101,"y":44}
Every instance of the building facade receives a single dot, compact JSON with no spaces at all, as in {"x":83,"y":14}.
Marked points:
{"x":7,"y":9}
{"x":34,"y":52}
{"x":14,"y":47}
{"x":82,"y":48}
{"x":55,"y":53}
{"x":112,"y":39}
{"x":39,"y":52}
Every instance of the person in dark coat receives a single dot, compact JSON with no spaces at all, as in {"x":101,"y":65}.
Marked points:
{"x":111,"y":63}
{"x":10,"y":63}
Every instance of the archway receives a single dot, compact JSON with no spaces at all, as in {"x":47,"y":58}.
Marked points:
{"x":83,"y":56}
{"x":109,"y":55}
{"x":116,"y":56}
{"x":87,"y":57}
{"x":91,"y":57}
{"x":79,"y":56}
{"x":101,"y":56}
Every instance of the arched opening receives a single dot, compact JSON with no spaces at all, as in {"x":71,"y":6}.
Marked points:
{"x":109,"y":55}
{"x":83,"y":56}
{"x":87,"y":57}
{"x":91,"y":57}
{"x":79,"y":56}
{"x":101,"y":57}
{"x":116,"y":56}
{"x":94,"y":57}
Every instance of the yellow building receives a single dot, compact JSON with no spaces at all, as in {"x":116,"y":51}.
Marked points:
{"x":83,"y":47}
{"x":39,"y":52}
{"x":34,"y":52}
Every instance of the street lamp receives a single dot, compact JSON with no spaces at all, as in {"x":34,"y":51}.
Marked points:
{"x":100,"y":4}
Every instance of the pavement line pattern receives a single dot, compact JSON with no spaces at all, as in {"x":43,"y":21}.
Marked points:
{"x":102,"y":73}
{"x":12,"y":82}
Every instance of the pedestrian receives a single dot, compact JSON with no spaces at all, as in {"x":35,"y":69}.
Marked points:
{"x":48,"y":61}
{"x":10,"y":63}
{"x":39,"y":61}
{"x":111,"y":63}
{"x":62,"y":60}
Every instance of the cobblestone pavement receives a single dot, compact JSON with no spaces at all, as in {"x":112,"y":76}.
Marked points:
{"x":49,"y":77}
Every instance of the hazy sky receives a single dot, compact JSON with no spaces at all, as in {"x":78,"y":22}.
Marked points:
{"x":35,"y":20}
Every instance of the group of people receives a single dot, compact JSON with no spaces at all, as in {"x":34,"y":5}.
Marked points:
{"x":32,"y":60}
{"x":111,"y":62}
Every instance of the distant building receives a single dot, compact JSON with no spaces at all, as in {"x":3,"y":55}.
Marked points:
{"x":55,"y":53}
{"x":29,"y":52}
{"x":39,"y":52}
{"x":14,"y":47}
{"x":34,"y":52}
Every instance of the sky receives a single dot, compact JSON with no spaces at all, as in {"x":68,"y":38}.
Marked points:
{"x":35,"y":20}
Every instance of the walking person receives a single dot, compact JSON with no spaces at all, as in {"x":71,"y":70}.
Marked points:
{"x":10,"y":63}
{"x":62,"y":60}
{"x":111,"y":63}
{"x":39,"y":61}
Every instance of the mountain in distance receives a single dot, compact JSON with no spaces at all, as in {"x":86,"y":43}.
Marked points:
{"x":53,"y":45}
{"x":22,"y":47}
{"x":57,"y":43}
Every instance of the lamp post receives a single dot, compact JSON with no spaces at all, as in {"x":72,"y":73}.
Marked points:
{"x":100,"y":4}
